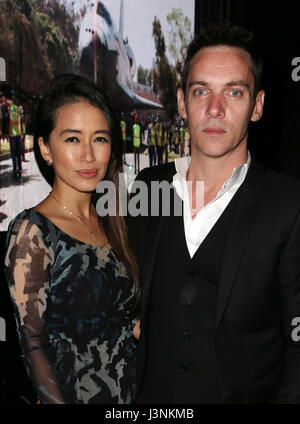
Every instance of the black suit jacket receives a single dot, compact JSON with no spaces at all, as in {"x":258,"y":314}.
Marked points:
{"x":258,"y":292}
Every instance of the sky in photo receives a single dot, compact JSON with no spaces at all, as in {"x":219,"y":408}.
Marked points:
{"x":138,"y":18}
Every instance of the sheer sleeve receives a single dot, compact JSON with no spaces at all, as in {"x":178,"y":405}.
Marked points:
{"x":27,"y":262}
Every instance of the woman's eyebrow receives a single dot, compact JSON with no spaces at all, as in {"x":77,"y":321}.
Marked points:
{"x":71,"y":130}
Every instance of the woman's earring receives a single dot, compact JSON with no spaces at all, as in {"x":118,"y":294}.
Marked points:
{"x":48,"y":162}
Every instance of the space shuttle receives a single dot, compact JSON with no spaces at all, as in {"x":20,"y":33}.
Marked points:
{"x":108,"y":60}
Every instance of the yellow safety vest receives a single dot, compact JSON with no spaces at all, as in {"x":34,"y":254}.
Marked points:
{"x":181,"y":134}
{"x":176,"y":137}
{"x":152,"y":133}
{"x":14,"y":120}
{"x":166,"y":141}
{"x":159,"y":134}
{"x":136,"y":135}
{"x":123,"y":128}
{"x":186,"y":134}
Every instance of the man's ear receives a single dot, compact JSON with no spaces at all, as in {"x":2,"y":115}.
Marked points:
{"x":258,"y":107}
{"x":45,"y":151}
{"x":181,"y":104}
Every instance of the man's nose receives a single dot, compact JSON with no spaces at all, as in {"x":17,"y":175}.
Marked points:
{"x":215,"y":107}
{"x":87,"y":152}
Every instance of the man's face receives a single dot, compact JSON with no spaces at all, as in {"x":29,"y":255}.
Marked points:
{"x":219,"y":100}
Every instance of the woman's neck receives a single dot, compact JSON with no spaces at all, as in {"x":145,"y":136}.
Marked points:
{"x":74,"y":200}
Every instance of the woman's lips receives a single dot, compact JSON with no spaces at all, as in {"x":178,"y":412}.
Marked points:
{"x":87,"y":173}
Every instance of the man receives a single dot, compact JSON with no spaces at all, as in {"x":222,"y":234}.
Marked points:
{"x":165,"y":139}
{"x":159,"y":141}
{"x":123,"y":130}
{"x":181,"y":139}
{"x":136,"y":145}
{"x":15,"y":136}
{"x":220,"y":285}
{"x":5,"y":119}
{"x":151,"y":142}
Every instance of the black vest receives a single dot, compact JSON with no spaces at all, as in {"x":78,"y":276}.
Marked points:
{"x":181,"y":360}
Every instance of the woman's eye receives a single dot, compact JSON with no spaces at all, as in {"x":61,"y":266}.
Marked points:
{"x":102,"y":140}
{"x":71,"y":139}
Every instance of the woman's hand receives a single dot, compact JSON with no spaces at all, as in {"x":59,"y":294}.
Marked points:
{"x":137,"y":330}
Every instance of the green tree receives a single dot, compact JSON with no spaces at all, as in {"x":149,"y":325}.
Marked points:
{"x":179,"y":36}
{"x":143,"y":75}
{"x":38,"y":40}
{"x":164,"y":74}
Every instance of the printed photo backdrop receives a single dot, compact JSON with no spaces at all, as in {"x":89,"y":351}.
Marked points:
{"x":134,"y":48}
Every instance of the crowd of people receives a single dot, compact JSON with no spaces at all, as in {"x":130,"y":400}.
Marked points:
{"x":13,"y":126}
{"x":160,"y":135}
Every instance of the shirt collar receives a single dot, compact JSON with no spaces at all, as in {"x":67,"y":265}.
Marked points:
{"x":182,"y":166}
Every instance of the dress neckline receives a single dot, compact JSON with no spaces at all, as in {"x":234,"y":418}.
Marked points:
{"x":107,"y":245}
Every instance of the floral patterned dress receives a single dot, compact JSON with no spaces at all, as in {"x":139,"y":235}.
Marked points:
{"x":73,"y":304}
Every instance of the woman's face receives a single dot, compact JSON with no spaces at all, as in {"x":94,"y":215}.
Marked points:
{"x":79,"y":146}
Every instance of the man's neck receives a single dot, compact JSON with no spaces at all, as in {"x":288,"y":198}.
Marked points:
{"x":213,"y":171}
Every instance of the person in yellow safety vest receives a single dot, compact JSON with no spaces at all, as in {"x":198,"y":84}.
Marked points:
{"x":23,"y":131}
{"x":123,"y":130}
{"x":136,"y":146}
{"x":159,"y":148}
{"x":176,"y":140}
{"x":172,"y":137}
{"x":181,"y":140}
{"x":151,"y":143}
{"x":187,"y":139}
{"x":15,"y":137}
{"x":165,"y":140}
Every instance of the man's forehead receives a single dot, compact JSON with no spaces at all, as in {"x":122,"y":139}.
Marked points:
{"x":220,"y":60}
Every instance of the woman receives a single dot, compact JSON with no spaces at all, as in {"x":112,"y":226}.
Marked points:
{"x":71,"y":274}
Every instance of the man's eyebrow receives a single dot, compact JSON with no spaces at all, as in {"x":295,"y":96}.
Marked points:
{"x":71,"y":130}
{"x":198,"y":83}
{"x":240,"y":83}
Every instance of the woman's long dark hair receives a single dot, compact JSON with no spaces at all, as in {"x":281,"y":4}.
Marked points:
{"x":71,"y":88}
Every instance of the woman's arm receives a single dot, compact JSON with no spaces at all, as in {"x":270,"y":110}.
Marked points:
{"x":26,"y":265}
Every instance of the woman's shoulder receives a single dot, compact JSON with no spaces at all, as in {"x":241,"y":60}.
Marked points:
{"x":32,"y":223}
{"x":26,"y":215}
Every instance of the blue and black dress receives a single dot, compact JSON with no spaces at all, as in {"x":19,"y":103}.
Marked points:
{"x":73,"y":304}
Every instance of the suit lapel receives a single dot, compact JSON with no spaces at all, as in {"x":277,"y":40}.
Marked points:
{"x":250,"y":195}
{"x":149,"y":264}
{"x":154,"y":228}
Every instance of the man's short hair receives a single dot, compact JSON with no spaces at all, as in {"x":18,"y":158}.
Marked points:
{"x":230,"y":36}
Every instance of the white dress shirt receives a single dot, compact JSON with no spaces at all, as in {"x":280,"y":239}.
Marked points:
{"x":198,"y":228}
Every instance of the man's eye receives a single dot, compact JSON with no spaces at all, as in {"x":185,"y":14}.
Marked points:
{"x":235,"y":93}
{"x":199,"y":91}
{"x":71,"y":139}
{"x":102,"y":140}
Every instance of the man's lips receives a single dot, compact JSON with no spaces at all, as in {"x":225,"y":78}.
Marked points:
{"x":87,"y":173}
{"x":214,"y":130}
